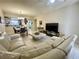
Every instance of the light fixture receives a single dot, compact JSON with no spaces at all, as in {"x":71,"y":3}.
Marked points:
{"x":52,"y":1}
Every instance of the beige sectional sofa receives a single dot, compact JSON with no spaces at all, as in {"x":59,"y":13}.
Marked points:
{"x":53,"y":48}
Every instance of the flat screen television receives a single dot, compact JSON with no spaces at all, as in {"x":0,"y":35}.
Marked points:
{"x":52,"y":27}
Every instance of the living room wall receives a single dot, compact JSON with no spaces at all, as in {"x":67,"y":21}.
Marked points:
{"x":67,"y":17}
{"x":72,"y":19}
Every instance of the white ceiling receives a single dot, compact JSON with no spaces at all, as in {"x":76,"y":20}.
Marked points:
{"x":32,"y":7}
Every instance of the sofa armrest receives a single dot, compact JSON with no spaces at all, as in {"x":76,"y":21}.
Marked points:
{"x":9,"y":55}
{"x":66,"y":45}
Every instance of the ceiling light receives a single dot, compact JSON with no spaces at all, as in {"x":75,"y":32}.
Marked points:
{"x":62,"y":0}
{"x":52,"y":1}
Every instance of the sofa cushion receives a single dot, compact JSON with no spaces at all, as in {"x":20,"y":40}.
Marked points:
{"x":24,"y":57}
{"x":9,"y":55}
{"x":52,"y":54}
{"x":16,"y":43}
{"x":2,"y":48}
{"x":35,"y":51}
{"x":5,"y":43}
{"x":23,"y":49}
{"x":49,"y":41}
{"x":39,"y":50}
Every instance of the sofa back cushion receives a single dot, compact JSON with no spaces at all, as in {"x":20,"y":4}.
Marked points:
{"x":57,"y":41}
{"x":5,"y":43}
{"x":66,"y":36}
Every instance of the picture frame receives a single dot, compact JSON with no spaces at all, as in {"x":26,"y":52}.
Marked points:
{"x":40,"y":22}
